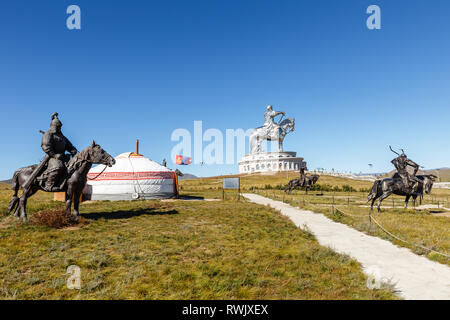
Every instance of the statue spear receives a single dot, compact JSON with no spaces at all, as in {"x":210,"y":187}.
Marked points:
{"x":35,"y":173}
{"x":393,"y":151}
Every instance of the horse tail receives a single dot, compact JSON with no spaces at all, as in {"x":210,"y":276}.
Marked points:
{"x":15,"y":187}
{"x":374,"y":191}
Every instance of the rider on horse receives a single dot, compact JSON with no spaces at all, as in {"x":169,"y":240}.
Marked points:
{"x":55,"y":144}
{"x":401,"y":163}
{"x":269,"y":115}
{"x":302,"y":174}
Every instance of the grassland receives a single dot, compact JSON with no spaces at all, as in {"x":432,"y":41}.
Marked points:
{"x":422,"y":227}
{"x":212,"y":186}
{"x":173,"y":250}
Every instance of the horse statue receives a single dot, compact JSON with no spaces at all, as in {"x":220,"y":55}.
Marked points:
{"x":307,"y":182}
{"x":276,"y":133}
{"x":382,"y":189}
{"x":78,"y":168}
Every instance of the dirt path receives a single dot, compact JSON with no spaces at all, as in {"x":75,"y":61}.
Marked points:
{"x":415,"y":277}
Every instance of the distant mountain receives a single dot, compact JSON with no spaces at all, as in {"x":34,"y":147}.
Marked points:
{"x":442,"y":173}
{"x":6,"y":181}
{"x":187,"y":176}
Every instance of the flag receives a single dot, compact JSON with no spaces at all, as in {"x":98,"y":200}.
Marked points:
{"x":182,"y":160}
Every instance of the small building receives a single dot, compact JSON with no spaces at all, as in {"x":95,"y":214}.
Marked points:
{"x":132,"y":177}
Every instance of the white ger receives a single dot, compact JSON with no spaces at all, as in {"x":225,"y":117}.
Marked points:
{"x":132,"y":177}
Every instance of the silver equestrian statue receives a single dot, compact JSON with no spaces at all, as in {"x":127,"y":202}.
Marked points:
{"x":271,"y":130}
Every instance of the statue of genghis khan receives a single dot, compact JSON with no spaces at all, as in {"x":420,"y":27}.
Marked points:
{"x":269,"y":115}
{"x":271,"y":130}
{"x":55,"y":144}
{"x":401,"y":163}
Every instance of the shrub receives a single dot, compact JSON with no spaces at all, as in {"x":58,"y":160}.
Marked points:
{"x":347,"y":188}
{"x":317,"y":187}
{"x":56,"y":218}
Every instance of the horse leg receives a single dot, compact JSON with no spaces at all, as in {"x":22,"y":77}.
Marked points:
{"x":255,"y":145}
{"x":406,"y":201}
{"x":288,"y":187}
{"x":23,"y":205}
{"x":375,"y":197}
{"x":16,"y":212}
{"x":292,"y":188}
{"x":69,"y":197}
{"x":383,"y":196}
{"x":252,"y":143}
{"x":371,"y":205}
{"x":76,"y":205}
{"x":13,"y":203}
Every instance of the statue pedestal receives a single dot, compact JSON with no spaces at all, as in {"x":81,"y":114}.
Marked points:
{"x":270,"y":162}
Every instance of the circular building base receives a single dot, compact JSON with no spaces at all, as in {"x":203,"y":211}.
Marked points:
{"x":270,"y":162}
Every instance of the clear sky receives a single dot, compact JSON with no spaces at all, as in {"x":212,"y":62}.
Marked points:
{"x":140,"y":69}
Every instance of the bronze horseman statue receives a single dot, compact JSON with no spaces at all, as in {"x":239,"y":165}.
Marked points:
{"x":303,"y":181}
{"x":402,"y":182}
{"x":401,"y":163}
{"x":57,"y":171}
{"x":55,"y":144}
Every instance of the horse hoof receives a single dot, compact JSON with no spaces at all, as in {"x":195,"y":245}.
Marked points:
{"x":75,"y":217}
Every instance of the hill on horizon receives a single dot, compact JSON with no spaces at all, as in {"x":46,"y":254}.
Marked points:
{"x":187,"y":176}
{"x":442,"y":173}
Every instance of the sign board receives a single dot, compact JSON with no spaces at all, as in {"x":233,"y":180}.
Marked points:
{"x":231,"y":183}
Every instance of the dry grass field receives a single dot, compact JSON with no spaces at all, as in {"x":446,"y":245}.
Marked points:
{"x":172,"y":250}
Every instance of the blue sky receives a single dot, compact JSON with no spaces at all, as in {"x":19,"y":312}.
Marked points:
{"x":140,"y":69}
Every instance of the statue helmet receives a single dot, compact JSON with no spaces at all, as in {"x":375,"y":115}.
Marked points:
{"x":56,"y":123}
{"x":403,"y":155}
{"x":269,"y":107}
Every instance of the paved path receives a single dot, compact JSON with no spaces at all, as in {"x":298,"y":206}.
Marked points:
{"x":416,"y":277}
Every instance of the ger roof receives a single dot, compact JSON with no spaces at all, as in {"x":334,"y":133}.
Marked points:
{"x":131,"y":162}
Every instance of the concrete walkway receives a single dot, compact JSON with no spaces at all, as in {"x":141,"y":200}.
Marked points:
{"x":415,"y":277}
